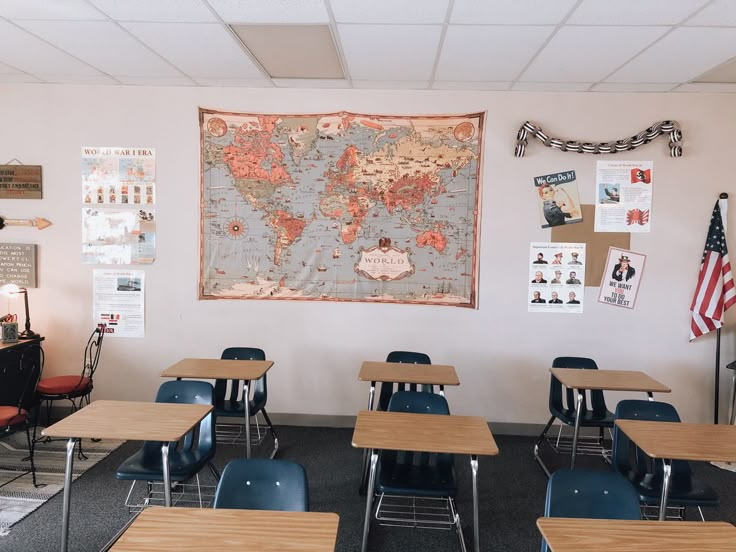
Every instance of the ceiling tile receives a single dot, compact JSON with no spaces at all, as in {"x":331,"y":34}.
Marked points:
{"x":235,"y":83}
{"x":271,"y":11}
{"x":488,"y":53}
{"x":18,"y":77}
{"x":177,"y":11}
{"x":719,"y":13}
{"x":675,"y":59}
{"x":722,"y":87}
{"x":469,"y":85}
{"x":181,"y":44}
{"x":103,"y":45}
{"x":552,"y":86}
{"x":32,"y":55}
{"x":634,"y":12}
{"x":64,"y":10}
{"x":588,"y":54}
{"x":505,"y":12}
{"x":78,"y":79}
{"x":633,"y":87}
{"x":371,"y":51}
{"x":157,"y":81}
{"x":722,"y":73}
{"x":390,"y":11}
{"x":312,"y":83}
{"x":391,"y":85}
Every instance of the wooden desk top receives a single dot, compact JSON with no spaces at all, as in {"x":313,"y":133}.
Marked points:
{"x":127,"y":420}
{"x":608,"y":380}
{"x":404,"y":372}
{"x":21,"y":342}
{"x":594,"y":535}
{"x":215,"y":368}
{"x":423,"y":433}
{"x":681,"y":441}
{"x":160,"y":529}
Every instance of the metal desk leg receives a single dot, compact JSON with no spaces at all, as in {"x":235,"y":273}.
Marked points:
{"x":364,"y":463}
{"x":665,"y":490}
{"x":578,"y":409}
{"x":442,"y":390}
{"x":476,"y":526}
{"x":70,"y":445}
{"x":732,"y":407}
{"x":246,"y":404}
{"x":167,"y":473}
{"x":651,"y":396}
{"x":369,"y":500}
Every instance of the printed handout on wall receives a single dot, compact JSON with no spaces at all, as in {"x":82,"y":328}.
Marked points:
{"x":620,"y":283}
{"x":119,"y":176}
{"x":112,"y":236}
{"x":558,"y":199}
{"x":119,"y":302}
{"x":623,"y":196}
{"x":557,"y":277}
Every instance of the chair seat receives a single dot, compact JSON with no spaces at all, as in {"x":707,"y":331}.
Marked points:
{"x":687,"y":491}
{"x":588,"y":418}
{"x":10,"y":416}
{"x":64,"y":385}
{"x":146,"y":465}
{"x":232,"y":409}
{"x":429,"y":481}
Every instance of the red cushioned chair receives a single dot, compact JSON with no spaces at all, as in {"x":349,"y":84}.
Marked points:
{"x":19,"y":376}
{"x":75,"y":389}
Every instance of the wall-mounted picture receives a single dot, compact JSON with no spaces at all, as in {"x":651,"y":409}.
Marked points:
{"x":558,"y":199}
{"x":620,"y":283}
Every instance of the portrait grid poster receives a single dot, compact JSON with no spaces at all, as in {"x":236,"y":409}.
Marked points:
{"x":340,"y":207}
{"x":620,"y":283}
{"x":558,"y":199}
{"x":556,"y":277}
{"x":623,"y":200}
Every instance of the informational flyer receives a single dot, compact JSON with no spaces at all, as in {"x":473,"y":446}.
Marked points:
{"x":558,"y":199}
{"x":119,"y":302}
{"x":117,"y":236}
{"x":623,"y":196}
{"x":620,"y":283}
{"x":556,"y":277}
{"x":118,"y":176}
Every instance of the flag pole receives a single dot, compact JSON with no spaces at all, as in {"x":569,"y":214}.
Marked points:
{"x":717,"y":390}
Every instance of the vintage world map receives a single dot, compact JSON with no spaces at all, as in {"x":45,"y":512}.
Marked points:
{"x":340,"y":206}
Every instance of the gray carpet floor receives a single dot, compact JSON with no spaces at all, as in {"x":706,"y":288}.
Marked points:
{"x":511,"y":486}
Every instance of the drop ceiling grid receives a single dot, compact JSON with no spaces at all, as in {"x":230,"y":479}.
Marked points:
{"x":594,"y":45}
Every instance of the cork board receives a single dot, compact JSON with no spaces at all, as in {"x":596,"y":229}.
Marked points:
{"x":597,"y":243}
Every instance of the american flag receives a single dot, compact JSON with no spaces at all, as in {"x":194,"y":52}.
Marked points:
{"x":715,"y":292}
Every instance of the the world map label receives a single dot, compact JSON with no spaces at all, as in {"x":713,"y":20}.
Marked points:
{"x":340,"y":206}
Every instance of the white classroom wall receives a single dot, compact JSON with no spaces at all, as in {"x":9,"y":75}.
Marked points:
{"x":502,"y":353}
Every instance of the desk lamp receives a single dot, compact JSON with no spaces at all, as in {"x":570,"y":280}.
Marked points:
{"x":12,"y":289}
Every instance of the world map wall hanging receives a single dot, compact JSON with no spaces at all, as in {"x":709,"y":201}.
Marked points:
{"x":340,"y":206}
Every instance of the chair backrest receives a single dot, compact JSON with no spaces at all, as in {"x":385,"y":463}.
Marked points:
{"x":590,"y":494}
{"x":20,"y":372}
{"x":598,"y":403}
{"x":260,"y":388}
{"x":188,"y":392}
{"x":92,"y":351}
{"x":630,"y":460}
{"x":263,"y":484}
{"x":407,"y":357}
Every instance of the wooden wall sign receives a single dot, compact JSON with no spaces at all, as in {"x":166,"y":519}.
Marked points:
{"x":21,"y":182}
{"x":18,"y":264}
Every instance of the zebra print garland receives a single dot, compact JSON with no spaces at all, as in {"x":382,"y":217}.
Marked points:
{"x":627,"y":144}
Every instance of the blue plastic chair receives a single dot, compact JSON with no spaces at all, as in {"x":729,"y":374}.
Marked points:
{"x":387,"y":388}
{"x":229,"y":393}
{"x":597,"y":415}
{"x":185,"y":459}
{"x":263,"y":484}
{"x":590,"y":494}
{"x":646,"y":474}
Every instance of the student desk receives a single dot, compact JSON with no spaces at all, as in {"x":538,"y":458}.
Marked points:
{"x":124,"y":420}
{"x":615,"y":535}
{"x":376,"y":430}
{"x":680,"y":441}
{"x":195,"y":529}
{"x":603,"y":380}
{"x":207,"y":368}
